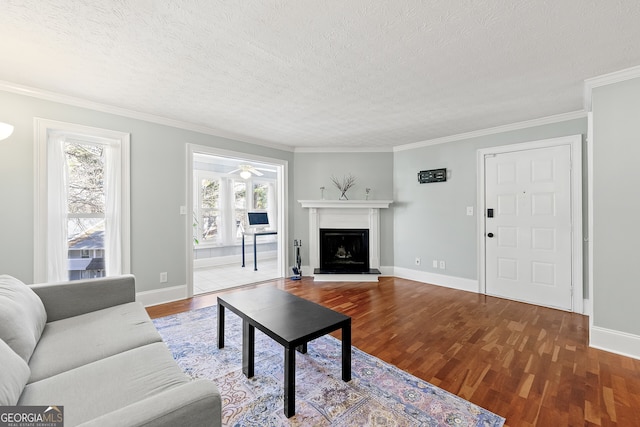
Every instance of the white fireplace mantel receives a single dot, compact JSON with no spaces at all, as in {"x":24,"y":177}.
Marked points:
{"x":345,"y":214}
{"x":346,"y":204}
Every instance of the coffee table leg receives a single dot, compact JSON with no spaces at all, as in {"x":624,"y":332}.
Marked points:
{"x":248,"y":348}
{"x":289,"y":382}
{"x":346,"y":352}
{"x":302,"y":348}
{"x":220,"y":325}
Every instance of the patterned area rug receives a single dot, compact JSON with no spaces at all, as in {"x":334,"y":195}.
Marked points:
{"x":379,"y":394}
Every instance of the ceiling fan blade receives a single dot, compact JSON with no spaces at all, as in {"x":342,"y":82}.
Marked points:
{"x":246,"y":168}
{"x":255,"y":171}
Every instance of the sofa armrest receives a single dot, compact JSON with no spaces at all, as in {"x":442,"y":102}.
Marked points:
{"x":68,"y":299}
{"x":194,"y":404}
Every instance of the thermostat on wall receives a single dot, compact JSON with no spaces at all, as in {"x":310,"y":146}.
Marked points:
{"x":433,"y":175}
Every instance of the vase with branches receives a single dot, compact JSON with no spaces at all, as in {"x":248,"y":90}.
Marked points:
{"x":343,"y":185}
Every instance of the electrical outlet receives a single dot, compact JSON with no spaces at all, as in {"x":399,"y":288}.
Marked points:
{"x":442,"y":265}
{"x":163,"y":277}
{"x":435,"y":263}
{"x":470,"y":210}
{"x":417,"y":261}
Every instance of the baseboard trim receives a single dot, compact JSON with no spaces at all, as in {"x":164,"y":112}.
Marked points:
{"x":452,"y":282}
{"x":617,"y":342}
{"x":161,"y":296}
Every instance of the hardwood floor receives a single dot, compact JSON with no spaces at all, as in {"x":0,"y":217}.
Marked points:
{"x":529,"y":364}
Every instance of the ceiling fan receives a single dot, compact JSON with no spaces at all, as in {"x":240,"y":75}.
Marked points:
{"x":246,"y":171}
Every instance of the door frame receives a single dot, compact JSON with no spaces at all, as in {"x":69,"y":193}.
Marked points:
{"x":282,"y":202}
{"x":575,"y":144}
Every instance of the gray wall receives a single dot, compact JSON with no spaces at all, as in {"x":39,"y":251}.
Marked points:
{"x":616,"y":206}
{"x":372,"y":170}
{"x":430,"y":220}
{"x":158,"y":186}
{"x":427,"y":221}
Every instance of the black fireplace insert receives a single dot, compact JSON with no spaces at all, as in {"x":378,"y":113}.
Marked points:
{"x":344,"y":250}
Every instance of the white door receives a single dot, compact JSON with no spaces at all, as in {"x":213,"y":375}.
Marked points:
{"x":528,"y":226}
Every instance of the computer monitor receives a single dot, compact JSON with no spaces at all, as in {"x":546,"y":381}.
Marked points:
{"x":258,"y":219}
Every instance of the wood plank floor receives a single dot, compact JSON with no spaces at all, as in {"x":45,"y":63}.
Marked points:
{"x":529,"y":364}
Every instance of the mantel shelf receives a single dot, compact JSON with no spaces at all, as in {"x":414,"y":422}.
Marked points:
{"x":346,"y":204}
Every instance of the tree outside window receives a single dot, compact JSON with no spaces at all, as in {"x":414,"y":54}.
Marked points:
{"x":210,"y":210}
{"x":240,"y":207}
{"x":85,"y":209}
{"x":260,"y":196}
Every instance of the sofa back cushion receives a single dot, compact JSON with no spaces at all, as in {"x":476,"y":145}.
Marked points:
{"x":22,"y":316}
{"x":14,"y":374}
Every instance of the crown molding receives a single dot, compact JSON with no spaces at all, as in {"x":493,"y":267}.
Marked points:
{"x":152,"y":118}
{"x":384,"y":149}
{"x":607,"y":79}
{"x":494,"y":130}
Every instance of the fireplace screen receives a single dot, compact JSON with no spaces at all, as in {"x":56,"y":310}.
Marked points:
{"x":344,"y":250}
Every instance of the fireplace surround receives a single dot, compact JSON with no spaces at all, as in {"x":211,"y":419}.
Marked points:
{"x":344,"y":214}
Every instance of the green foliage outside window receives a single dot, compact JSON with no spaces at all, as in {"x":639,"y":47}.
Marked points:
{"x":260,"y":196}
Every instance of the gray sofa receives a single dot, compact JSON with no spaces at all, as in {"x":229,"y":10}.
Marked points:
{"x":88,"y":346}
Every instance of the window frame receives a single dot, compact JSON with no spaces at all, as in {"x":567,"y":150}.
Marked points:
{"x":199,"y":175}
{"x":42,"y":129}
{"x":227,"y":209}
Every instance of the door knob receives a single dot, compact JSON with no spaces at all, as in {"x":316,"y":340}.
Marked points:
{"x":489,"y":234}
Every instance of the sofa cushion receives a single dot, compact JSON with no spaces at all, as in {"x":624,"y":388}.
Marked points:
{"x":22,"y":316}
{"x":14,"y":374}
{"x":106,"y":385}
{"x":68,"y":343}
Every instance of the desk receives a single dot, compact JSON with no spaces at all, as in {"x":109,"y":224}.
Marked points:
{"x":255,"y":256}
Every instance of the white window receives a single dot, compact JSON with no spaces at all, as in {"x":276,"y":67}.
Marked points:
{"x":262,"y":191}
{"x":82,"y":212}
{"x":239,"y":208}
{"x":208,"y":220}
{"x":221,"y":206}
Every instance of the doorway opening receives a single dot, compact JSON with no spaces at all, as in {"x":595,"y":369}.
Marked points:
{"x":225,"y":189}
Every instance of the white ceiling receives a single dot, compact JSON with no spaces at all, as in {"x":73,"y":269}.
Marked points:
{"x":322,"y":73}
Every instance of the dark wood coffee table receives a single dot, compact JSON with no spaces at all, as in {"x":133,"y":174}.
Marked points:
{"x":289,"y":320}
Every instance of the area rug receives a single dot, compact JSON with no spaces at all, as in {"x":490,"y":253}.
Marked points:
{"x":378,"y":394}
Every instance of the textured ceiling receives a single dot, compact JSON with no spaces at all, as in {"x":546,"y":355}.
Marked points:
{"x":322,"y":73}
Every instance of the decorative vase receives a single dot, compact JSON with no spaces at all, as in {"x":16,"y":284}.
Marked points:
{"x":343,"y":185}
